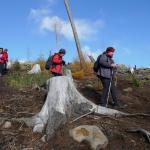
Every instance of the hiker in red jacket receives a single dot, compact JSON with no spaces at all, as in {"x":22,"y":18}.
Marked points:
{"x":2,"y":58}
{"x":57,"y":63}
{"x":5,"y":53}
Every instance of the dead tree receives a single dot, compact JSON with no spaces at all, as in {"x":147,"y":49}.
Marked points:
{"x":92,"y":59}
{"x":82,"y":61}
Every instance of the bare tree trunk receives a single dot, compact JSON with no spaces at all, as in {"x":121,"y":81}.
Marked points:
{"x":82,"y":61}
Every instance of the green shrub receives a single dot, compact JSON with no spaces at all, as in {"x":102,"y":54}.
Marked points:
{"x":21,"y":80}
{"x":123,"y":68}
{"x":135,"y":81}
{"x":16,"y":66}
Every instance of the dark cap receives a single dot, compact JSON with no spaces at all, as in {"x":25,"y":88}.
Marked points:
{"x":110,"y":49}
{"x":62,"y":51}
{"x":5,"y":49}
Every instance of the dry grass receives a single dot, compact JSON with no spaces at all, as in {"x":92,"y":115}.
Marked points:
{"x":77,"y":73}
{"x":97,"y":84}
{"x":41,"y":63}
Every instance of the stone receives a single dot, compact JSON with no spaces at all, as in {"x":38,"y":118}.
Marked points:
{"x":90,"y":85}
{"x":35,"y":86}
{"x":43,"y":139}
{"x":91,"y":134}
{"x":35,"y":69}
{"x":132,"y":70}
{"x":9,"y":65}
{"x":7,"y":125}
{"x":129,"y":89}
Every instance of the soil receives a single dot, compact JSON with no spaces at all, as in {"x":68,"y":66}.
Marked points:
{"x":26,"y":102}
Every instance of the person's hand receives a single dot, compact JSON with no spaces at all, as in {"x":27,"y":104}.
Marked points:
{"x":114,"y":65}
{"x":63,"y":62}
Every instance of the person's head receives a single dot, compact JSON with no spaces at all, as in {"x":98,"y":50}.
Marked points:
{"x":1,"y":50}
{"x":62,"y":52}
{"x":5,"y":50}
{"x":110,"y":51}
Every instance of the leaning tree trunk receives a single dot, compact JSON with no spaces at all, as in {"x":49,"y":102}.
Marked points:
{"x":63,"y":100}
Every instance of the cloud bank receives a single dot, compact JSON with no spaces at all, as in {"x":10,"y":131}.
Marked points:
{"x":46,"y":22}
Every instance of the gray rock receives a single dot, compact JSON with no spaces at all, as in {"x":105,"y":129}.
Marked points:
{"x":35,"y":70}
{"x":7,"y":125}
{"x":43,"y":139}
{"x":92,"y":134}
{"x":90,"y":85}
{"x":129,"y":89}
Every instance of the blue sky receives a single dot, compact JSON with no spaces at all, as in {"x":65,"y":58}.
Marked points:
{"x":27,"y":28}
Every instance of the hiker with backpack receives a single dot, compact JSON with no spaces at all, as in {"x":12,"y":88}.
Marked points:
{"x":2,"y":58}
{"x":55,"y":63}
{"x":5,"y":53}
{"x":105,"y":69}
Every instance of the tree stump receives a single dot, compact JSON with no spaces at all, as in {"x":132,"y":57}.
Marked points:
{"x":63,"y":100}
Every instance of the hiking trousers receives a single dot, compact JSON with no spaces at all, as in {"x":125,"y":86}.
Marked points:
{"x":56,"y":74}
{"x":1,"y":68}
{"x":113,"y":91}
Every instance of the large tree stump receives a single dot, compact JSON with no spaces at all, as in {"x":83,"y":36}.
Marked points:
{"x":63,"y":100}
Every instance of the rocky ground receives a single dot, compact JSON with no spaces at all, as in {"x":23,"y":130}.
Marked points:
{"x":27,"y":102}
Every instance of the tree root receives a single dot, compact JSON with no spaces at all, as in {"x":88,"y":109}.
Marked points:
{"x":141,"y":130}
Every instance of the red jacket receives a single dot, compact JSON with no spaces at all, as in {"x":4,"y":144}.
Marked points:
{"x":2,"y":58}
{"x":57,"y":64}
{"x":5,"y":56}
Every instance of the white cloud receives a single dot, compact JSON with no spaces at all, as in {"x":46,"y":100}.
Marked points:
{"x":38,"y":14}
{"x":89,"y":52}
{"x":86,"y":29}
{"x":120,"y":49}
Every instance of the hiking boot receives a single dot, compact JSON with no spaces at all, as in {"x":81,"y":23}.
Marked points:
{"x":118,"y":105}
{"x":103,"y":105}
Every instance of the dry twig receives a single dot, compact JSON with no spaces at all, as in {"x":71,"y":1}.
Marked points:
{"x":89,"y":113}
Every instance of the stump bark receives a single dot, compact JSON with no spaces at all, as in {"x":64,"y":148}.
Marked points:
{"x":63,"y":100}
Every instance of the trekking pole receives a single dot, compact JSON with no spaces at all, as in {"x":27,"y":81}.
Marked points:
{"x":109,"y":87}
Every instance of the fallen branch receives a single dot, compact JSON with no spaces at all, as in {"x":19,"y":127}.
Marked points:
{"x":110,"y":117}
{"x":143,"y":131}
{"x":25,"y":113}
{"x":136,"y":114}
{"x":89,"y":113}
